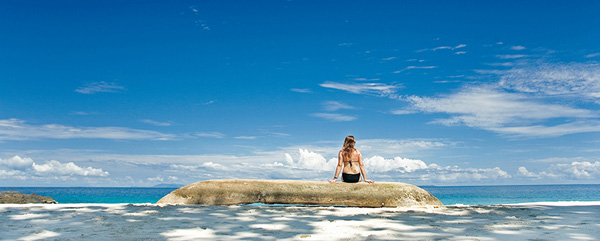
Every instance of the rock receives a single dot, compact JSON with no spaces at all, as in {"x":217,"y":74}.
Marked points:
{"x":20,"y":198}
{"x":235,"y":191}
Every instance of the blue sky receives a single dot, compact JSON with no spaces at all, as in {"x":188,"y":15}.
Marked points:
{"x":140,"y":93}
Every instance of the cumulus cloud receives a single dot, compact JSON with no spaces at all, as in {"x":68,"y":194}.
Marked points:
{"x":378,"y":163}
{"x":98,"y":87}
{"x":334,"y":117}
{"x":571,"y":171}
{"x":378,"y":89}
{"x":399,"y":169}
{"x":311,"y":160}
{"x":16,"y":162}
{"x":56,"y":168}
{"x":26,"y":167}
{"x":15,"y":129}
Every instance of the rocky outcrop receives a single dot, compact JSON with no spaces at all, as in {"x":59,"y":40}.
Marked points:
{"x":20,"y":198}
{"x":230,"y":192}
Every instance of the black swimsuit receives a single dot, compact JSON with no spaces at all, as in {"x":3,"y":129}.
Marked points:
{"x":352,"y":178}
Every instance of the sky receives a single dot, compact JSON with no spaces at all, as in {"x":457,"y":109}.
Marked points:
{"x":141,"y":93}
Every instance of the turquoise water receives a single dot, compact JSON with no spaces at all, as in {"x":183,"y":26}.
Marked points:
{"x":96,"y":194}
{"x":490,"y":195}
{"x":468,"y":195}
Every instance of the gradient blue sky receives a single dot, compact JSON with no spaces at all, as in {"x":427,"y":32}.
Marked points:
{"x":138,"y":93}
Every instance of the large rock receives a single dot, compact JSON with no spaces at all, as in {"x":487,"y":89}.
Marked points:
{"x":230,"y":192}
{"x":20,"y":198}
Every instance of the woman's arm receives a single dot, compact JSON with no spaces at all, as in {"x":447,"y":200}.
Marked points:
{"x":362,"y":168}
{"x":338,"y":168}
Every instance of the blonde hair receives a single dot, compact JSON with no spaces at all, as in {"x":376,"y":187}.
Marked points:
{"x":348,"y":146}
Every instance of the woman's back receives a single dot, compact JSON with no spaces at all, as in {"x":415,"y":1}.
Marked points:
{"x":351,"y":162}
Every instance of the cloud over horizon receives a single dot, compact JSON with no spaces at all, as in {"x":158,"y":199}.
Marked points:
{"x":18,"y":130}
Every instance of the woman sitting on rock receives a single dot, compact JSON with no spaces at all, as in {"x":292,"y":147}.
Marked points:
{"x":348,"y":158}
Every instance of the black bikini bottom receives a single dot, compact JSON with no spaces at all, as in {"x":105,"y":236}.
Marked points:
{"x":350,"y":177}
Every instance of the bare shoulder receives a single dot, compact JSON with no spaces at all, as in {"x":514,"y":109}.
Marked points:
{"x":357,"y":151}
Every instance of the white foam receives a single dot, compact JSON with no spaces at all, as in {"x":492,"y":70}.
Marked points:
{"x":559,"y":204}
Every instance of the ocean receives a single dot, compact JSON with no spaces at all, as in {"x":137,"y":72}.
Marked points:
{"x":449,"y":195}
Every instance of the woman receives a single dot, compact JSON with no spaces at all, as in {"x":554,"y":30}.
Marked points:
{"x":351,"y":161}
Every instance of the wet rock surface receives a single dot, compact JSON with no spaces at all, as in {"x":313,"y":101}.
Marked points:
{"x":20,"y":198}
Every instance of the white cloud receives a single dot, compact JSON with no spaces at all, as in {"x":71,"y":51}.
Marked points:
{"x":246,"y":137}
{"x":592,"y":55}
{"x":572,"y":79}
{"x":16,"y":162}
{"x":311,"y":160}
{"x":444,"y":48}
{"x":378,"y":163}
{"x":156,"y":179}
{"x":508,"y":113}
{"x":301,"y":90}
{"x":460,"y":52}
{"x":402,"y":112}
{"x":98,"y":87}
{"x":213,"y":134}
{"x":156,"y":123}
{"x":56,"y":168}
{"x":414,"y":67}
{"x":15,"y":129}
{"x":335,"y":105}
{"x":572,"y":171}
{"x":512,"y":56}
{"x":26,"y":167}
{"x":551,"y":131}
{"x":458,"y":175}
{"x":378,"y":89}
{"x":517,"y":47}
{"x":334,"y":117}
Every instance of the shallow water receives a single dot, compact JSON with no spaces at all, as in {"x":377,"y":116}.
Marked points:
{"x":450,"y":195}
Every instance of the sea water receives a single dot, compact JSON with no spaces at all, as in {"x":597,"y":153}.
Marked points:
{"x":449,"y":195}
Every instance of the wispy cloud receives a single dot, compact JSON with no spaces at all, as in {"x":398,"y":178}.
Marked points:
{"x":506,"y":113}
{"x":576,"y":80}
{"x":414,"y":67}
{"x":443,"y":48}
{"x":156,"y":123}
{"x":246,"y":137}
{"x":301,"y":90}
{"x":335,"y":105}
{"x":213,"y":134}
{"x":460,"y":52}
{"x":511,"y":56}
{"x":15,"y":129}
{"x":378,"y":89}
{"x":99,"y":87}
{"x":517,"y":47}
{"x":402,"y":112}
{"x":389,"y":58}
{"x":334,"y":117}
{"x":592,"y":55}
